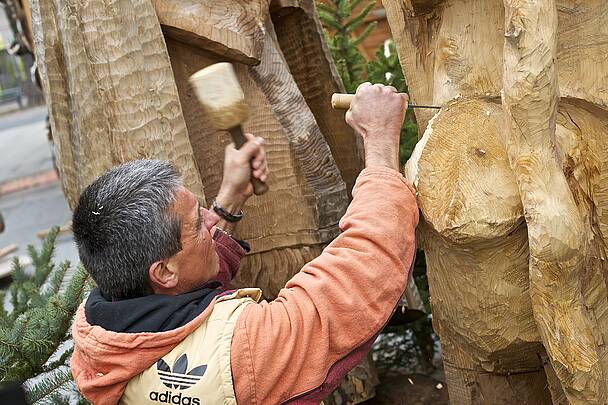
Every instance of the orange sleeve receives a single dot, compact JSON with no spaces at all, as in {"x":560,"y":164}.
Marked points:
{"x":335,"y":303}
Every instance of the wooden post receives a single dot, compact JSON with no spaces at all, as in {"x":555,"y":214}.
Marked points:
{"x":111,"y":99}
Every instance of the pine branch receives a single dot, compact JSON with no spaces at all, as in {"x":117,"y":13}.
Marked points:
{"x":329,"y":20}
{"x":42,"y":262}
{"x":4,"y":316}
{"x":356,"y":21}
{"x":61,"y":361}
{"x":325,"y":8}
{"x":40,"y":322}
{"x":49,"y":387}
{"x":56,"y":279}
{"x":355,"y":3}
{"x":344,"y":8}
{"x":368,"y":30}
{"x":18,"y":275}
{"x":14,"y":363}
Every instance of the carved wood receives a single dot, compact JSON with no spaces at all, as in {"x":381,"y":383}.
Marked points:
{"x":109,"y":76}
{"x":297,"y":183}
{"x":301,"y":40}
{"x":233,"y":29}
{"x":556,"y":233}
{"x":516,"y":290}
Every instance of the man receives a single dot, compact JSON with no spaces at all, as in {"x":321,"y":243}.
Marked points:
{"x":159,"y":330}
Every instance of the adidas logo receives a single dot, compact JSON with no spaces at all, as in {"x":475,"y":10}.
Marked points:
{"x":178,"y":377}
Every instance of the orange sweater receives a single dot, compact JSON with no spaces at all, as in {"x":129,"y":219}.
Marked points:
{"x":336,"y":303}
{"x":290,"y":347}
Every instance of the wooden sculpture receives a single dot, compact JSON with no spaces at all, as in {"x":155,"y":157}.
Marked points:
{"x":115,"y":77}
{"x":511,"y":181}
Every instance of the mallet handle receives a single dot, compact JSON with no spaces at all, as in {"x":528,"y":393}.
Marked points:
{"x":239,"y":140}
{"x":341,"y":101}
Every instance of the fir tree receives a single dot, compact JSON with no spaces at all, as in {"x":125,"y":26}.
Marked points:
{"x":341,"y":27}
{"x":35,"y":338}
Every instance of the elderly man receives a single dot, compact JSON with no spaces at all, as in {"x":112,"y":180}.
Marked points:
{"x":160,"y":329}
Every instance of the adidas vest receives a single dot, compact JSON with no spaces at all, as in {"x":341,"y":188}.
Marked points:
{"x":197,"y":371}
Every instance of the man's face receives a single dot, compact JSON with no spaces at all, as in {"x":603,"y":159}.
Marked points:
{"x":197,"y":262}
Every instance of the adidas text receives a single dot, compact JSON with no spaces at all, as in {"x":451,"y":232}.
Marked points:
{"x":168,"y":397}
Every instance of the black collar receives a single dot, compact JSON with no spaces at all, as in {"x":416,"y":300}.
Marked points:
{"x":152,"y":313}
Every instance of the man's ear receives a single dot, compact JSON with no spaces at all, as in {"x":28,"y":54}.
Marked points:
{"x":162,"y":277}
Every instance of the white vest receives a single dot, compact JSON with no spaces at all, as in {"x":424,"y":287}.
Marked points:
{"x":197,"y":371}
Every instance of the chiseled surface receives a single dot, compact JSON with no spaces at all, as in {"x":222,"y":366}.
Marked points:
{"x":111,"y":89}
{"x":454,"y":48}
{"x":233,"y":29}
{"x":301,"y":40}
{"x":471,"y":198}
{"x":51,"y":67}
{"x":556,"y":232}
{"x":475,"y":241}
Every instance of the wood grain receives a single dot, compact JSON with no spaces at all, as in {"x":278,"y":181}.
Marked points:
{"x":51,"y":67}
{"x":556,"y":232}
{"x":301,"y":40}
{"x":281,"y":241}
{"x":476,"y":240}
{"x":112,"y":94}
{"x":232,"y":29}
{"x":447,"y":60}
{"x":455,"y":49}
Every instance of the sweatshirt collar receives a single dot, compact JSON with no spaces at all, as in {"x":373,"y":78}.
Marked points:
{"x":151,"y":313}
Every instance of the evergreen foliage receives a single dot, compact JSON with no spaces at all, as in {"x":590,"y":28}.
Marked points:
{"x":35,"y":338}
{"x":342,"y":38}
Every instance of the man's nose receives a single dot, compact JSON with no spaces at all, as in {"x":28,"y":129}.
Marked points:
{"x":209,"y":218}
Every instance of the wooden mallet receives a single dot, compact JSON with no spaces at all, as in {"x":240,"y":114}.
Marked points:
{"x":220,"y":93}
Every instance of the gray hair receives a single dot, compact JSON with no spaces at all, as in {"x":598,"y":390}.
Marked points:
{"x":123,"y":224}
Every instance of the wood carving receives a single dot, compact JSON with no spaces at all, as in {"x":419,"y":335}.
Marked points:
{"x":232,"y":29}
{"x":511,"y":183}
{"x":115,"y":75}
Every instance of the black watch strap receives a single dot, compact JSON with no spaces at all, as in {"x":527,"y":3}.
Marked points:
{"x":219,"y":210}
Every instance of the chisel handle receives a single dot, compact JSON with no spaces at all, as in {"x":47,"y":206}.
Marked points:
{"x":259,"y":187}
{"x":341,"y":101}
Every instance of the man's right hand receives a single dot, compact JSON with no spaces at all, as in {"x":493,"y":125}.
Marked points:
{"x":377,"y":113}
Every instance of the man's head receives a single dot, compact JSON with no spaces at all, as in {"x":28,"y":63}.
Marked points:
{"x":139,"y":231}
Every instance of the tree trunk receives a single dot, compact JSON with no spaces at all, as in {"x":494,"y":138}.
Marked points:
{"x":513,"y":205}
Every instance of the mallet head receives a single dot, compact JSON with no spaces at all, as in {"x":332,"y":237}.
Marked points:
{"x":220,"y":93}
